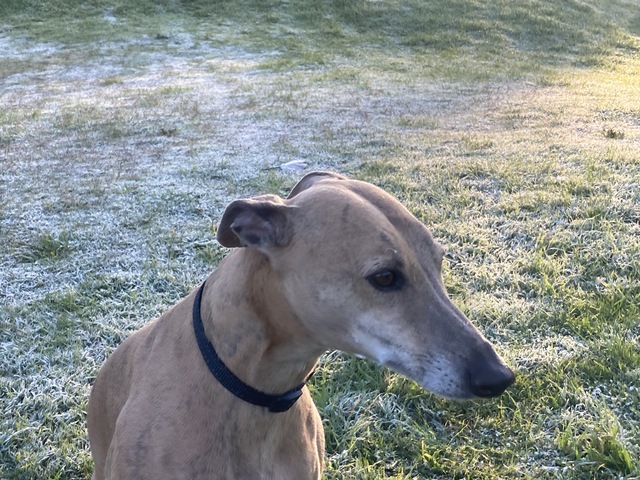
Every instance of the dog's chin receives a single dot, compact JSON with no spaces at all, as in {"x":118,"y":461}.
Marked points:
{"x":450,"y":391}
{"x":458,"y":395}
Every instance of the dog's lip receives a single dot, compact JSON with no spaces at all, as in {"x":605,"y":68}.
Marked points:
{"x":455,"y":386}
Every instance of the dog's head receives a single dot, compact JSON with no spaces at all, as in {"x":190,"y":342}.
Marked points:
{"x":363,"y":275}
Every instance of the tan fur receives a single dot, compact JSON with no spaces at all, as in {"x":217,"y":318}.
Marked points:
{"x":270,"y":310}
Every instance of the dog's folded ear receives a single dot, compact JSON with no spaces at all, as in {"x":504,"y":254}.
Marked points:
{"x":311,"y":179}
{"x":259,"y":222}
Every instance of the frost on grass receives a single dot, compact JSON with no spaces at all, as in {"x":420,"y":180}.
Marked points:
{"x":117,"y":159}
{"x":114,"y":171}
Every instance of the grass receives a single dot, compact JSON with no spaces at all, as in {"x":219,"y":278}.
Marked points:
{"x":510,"y":129}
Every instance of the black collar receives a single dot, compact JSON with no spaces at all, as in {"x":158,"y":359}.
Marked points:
{"x":275,"y":403}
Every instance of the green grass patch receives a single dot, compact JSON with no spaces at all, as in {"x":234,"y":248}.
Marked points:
{"x":45,"y":246}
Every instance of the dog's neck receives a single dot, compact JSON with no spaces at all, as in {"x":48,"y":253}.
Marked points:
{"x":250,"y":324}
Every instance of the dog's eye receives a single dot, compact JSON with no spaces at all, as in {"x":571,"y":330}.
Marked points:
{"x":386,"y":280}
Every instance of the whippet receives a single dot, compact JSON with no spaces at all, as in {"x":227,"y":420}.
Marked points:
{"x":214,"y":388}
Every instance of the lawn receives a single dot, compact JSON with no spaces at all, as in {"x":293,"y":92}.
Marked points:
{"x":510,"y":128}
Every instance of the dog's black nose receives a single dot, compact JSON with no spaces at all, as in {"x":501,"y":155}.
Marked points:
{"x":491,"y":383}
{"x":488,"y":376}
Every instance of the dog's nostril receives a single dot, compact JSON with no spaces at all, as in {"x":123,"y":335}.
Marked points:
{"x":490,"y":382}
